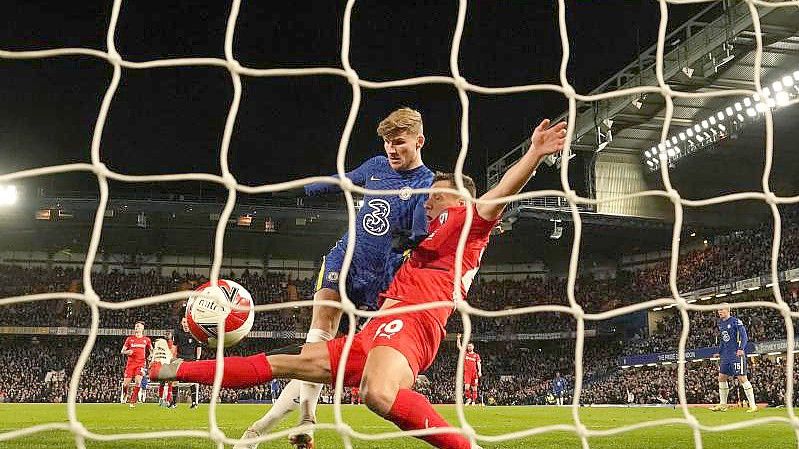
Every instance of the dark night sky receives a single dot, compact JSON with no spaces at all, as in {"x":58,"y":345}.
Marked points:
{"x":171,"y":120}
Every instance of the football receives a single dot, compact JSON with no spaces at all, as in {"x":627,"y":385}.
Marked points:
{"x":203,"y":313}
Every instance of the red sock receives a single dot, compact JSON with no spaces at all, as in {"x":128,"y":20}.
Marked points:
{"x":160,"y":391}
{"x":412,"y":411}
{"x":240,"y":372}
{"x":474,"y":394}
{"x":169,"y":393}
{"x":125,"y":390}
{"x":134,"y":397}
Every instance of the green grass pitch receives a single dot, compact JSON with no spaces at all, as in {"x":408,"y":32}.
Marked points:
{"x":233,"y":419}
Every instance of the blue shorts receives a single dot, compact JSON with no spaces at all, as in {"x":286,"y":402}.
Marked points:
{"x":363,"y":284}
{"x":734,"y":366}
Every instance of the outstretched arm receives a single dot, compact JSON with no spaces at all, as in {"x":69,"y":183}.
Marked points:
{"x":546,"y":140}
{"x":357,"y":176}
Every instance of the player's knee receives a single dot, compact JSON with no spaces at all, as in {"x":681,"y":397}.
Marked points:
{"x":378,"y":396}
{"x":326,"y":317}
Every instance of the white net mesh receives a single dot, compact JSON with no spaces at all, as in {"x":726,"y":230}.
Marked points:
{"x":227,"y":179}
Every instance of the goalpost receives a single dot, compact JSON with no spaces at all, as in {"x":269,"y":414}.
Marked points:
{"x":80,"y":432}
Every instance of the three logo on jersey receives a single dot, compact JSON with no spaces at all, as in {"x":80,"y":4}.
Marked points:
{"x":376,"y":222}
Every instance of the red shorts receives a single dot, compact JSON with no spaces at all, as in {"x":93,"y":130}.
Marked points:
{"x":417,"y":335}
{"x":470,"y":378}
{"x":133,"y":369}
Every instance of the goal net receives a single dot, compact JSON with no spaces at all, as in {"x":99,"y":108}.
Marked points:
{"x":227,"y":179}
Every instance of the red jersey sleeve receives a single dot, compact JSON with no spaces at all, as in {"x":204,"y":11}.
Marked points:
{"x":149,"y":344}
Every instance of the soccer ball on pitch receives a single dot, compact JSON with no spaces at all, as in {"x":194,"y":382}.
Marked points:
{"x":203,"y":313}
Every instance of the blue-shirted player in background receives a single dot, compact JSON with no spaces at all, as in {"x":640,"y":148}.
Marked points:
{"x":558,"y":388}
{"x":732,"y":359}
{"x":275,"y":388}
{"x":385,"y":226}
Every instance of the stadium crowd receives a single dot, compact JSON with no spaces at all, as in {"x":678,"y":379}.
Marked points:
{"x":762,"y":324}
{"x":515,"y":373}
{"x":39,"y":368}
{"x":739,"y":255}
{"x":653,"y":385}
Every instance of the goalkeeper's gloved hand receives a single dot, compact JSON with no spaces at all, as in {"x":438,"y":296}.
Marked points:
{"x":403,"y":240}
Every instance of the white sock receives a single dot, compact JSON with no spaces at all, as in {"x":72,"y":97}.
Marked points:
{"x":286,"y":403}
{"x":309,"y":392}
{"x":724,"y":390}
{"x":750,"y":394}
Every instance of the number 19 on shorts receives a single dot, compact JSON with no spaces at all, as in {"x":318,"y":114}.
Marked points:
{"x":388,"y":330}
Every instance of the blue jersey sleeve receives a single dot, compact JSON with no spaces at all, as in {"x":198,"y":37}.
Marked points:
{"x":419,"y":225}
{"x":357,"y":176}
{"x":743,"y":339}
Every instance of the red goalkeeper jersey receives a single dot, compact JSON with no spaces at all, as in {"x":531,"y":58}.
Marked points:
{"x":429,"y":274}
{"x":470,"y":362}
{"x":140,"y":346}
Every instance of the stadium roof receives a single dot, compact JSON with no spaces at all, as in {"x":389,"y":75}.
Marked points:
{"x":713,"y":51}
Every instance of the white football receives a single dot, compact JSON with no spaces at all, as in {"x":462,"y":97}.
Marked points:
{"x":203,"y":313}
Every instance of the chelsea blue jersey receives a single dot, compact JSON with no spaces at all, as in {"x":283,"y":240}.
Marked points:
{"x":732,"y":337}
{"x":381,"y":215}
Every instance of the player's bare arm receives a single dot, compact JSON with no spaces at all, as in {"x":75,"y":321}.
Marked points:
{"x":546,"y":140}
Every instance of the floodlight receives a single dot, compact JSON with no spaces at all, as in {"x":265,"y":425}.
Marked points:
{"x":8,"y":195}
{"x":783,"y":98}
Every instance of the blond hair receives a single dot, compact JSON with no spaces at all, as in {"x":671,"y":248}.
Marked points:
{"x":399,"y":121}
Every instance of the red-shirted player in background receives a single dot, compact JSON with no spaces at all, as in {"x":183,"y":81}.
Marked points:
{"x":391,"y":350}
{"x":472,"y":372}
{"x":135,"y":347}
{"x":355,"y":392}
